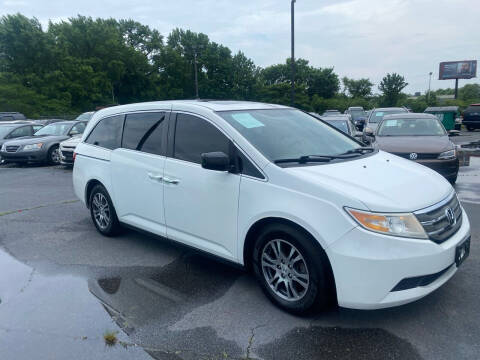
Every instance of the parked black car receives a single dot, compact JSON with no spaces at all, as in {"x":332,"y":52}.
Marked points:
{"x":471,"y":117}
{"x":10,"y":116}
{"x":43,"y":146}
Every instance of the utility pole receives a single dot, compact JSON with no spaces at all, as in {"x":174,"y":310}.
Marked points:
{"x":196,"y":76}
{"x":429,"y":83}
{"x":292,"y":100}
{"x":456,"y":88}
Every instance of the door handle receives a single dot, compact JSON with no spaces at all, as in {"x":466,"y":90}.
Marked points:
{"x":167,"y":180}
{"x":158,"y":178}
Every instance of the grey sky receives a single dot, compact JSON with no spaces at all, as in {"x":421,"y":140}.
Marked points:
{"x":360,"y":38}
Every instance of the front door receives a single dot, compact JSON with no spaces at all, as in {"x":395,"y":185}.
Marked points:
{"x":201,"y":205}
{"x":137,"y":171}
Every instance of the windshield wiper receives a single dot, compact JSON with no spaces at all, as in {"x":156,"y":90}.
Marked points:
{"x":360,"y":150}
{"x":309,"y":158}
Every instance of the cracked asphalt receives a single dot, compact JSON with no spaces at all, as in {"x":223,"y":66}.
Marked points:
{"x":63,"y":286}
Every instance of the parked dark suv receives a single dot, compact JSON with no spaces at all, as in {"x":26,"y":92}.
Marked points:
{"x":10,"y":116}
{"x":471,"y":117}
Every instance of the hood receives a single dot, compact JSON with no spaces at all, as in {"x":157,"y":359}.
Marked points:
{"x":36,"y":139}
{"x":382,"y":182}
{"x":418,"y":144}
{"x":74,"y":141}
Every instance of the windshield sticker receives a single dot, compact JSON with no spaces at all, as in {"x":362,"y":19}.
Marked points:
{"x":380,"y":113}
{"x":391,"y":123}
{"x":247,"y":120}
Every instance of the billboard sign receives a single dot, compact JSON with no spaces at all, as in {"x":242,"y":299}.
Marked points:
{"x":466,"y":69}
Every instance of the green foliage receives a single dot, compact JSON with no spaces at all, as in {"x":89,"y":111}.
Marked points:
{"x":391,"y":86}
{"x":360,"y":88}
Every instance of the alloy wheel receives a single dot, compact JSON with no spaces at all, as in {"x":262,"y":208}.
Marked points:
{"x":285,"y":270}
{"x":101,"y":210}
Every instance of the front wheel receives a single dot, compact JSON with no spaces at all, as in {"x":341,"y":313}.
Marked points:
{"x":53,"y":156}
{"x":103,"y":213}
{"x":291,"y":269}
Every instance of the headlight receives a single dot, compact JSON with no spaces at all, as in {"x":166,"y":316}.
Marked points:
{"x":450,"y":154}
{"x":404,"y":225}
{"x":32,"y":147}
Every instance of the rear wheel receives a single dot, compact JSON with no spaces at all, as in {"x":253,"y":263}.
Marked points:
{"x":291,"y":269}
{"x":103,"y":213}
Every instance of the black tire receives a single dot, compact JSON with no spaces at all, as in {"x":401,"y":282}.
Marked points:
{"x":470,"y":128}
{"x":318,"y":293}
{"x":51,"y":158}
{"x":110,"y":226}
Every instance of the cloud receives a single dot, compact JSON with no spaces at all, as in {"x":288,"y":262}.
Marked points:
{"x":360,"y":38}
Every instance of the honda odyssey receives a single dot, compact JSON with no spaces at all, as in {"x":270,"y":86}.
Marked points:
{"x":316,"y":215}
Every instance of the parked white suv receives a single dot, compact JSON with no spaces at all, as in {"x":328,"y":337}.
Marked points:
{"x":316,"y":215}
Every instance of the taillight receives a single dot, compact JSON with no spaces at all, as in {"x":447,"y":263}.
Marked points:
{"x":74,"y":155}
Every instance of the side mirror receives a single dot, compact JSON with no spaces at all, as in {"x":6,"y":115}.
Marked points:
{"x":218,"y":161}
{"x":368,"y":132}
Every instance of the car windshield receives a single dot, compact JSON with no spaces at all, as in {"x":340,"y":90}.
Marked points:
{"x":411,"y":127}
{"x":287,"y":133}
{"x":85,"y":116}
{"x":357,"y":114}
{"x":377,"y":116}
{"x":339,"y":124}
{"x":54,"y":129}
{"x":5,"y":130}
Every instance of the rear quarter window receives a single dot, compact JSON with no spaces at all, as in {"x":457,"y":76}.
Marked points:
{"x":107,"y":133}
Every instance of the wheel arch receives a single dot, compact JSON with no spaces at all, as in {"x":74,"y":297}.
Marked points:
{"x":88,"y":189}
{"x":254,"y":230}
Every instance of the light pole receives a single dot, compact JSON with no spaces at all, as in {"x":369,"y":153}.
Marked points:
{"x":429,"y":83}
{"x":292,"y":100}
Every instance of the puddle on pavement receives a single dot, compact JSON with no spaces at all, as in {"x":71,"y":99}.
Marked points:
{"x":338,"y":343}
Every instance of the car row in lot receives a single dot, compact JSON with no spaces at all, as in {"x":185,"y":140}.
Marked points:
{"x":276,"y":190}
{"x":40,"y":141}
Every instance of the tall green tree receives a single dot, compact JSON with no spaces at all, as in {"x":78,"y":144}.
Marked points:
{"x":391,"y":86}
{"x":360,"y":88}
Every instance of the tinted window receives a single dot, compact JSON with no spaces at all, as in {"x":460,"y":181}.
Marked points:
{"x":144,"y":132}
{"x":247,"y":168}
{"x":411,"y":127}
{"x":107,"y":133}
{"x":23,"y":131}
{"x":377,"y":116}
{"x":195,"y":136}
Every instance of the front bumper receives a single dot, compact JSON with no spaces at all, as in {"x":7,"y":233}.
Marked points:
{"x":446,"y":168}
{"x":66,"y":156}
{"x":24,"y":156}
{"x":368,"y":266}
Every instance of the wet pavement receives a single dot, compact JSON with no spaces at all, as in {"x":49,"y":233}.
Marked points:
{"x":63,"y":287}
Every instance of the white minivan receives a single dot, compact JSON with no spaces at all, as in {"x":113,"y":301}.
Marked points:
{"x":315,"y":214}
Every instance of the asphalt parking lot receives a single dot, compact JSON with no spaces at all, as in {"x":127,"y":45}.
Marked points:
{"x":63,"y":287}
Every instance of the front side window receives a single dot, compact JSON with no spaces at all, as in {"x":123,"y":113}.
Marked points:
{"x":54,"y":129}
{"x":78,"y":129}
{"x":144,"y":132}
{"x":107,"y":133}
{"x":195,"y":136}
{"x":411,"y":127}
{"x":5,"y":130}
{"x":288,"y":134}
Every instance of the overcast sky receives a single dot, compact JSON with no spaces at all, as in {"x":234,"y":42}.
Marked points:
{"x":360,"y":38}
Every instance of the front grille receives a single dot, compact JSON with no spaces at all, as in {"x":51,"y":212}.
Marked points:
{"x":68,"y":155}
{"x":12,"y":148}
{"x":420,"y":156}
{"x":435,"y":221}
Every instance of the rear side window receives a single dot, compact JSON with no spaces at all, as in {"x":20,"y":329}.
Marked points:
{"x":144,"y":132}
{"x":107,"y":133}
{"x":195,"y":136}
